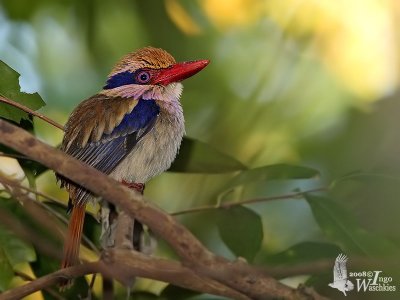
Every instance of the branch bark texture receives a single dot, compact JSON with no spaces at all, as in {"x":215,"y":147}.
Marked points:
{"x":247,"y":282}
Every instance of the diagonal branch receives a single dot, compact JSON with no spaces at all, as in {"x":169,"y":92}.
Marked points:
{"x":30,"y":111}
{"x":237,"y":275}
{"x":26,"y":277}
{"x":49,"y":280}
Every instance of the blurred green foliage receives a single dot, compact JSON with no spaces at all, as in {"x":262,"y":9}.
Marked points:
{"x":240,"y":222}
{"x":296,"y":97}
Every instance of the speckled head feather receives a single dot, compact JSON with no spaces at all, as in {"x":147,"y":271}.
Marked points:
{"x":148,"y":57}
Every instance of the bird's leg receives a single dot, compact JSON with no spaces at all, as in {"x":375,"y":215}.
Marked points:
{"x":143,"y":241}
{"x":137,"y":226}
{"x":109,"y":216}
{"x":139,"y":187}
{"x":129,"y":231}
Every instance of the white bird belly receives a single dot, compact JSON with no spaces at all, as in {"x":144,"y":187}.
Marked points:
{"x":155,"y":152}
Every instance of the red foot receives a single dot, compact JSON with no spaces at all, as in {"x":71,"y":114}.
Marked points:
{"x":133,"y":185}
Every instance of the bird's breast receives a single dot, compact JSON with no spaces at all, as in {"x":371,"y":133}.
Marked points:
{"x":155,"y":152}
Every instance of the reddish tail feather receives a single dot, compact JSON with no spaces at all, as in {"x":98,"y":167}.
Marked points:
{"x":73,"y":241}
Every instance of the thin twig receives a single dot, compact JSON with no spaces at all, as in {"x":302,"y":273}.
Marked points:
{"x":249,"y":201}
{"x":36,"y":192}
{"x":91,"y":285}
{"x":30,"y":111}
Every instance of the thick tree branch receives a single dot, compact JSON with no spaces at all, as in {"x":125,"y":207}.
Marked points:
{"x":125,"y":264}
{"x":235,"y":274}
{"x":26,"y":277}
{"x":50,"y":280}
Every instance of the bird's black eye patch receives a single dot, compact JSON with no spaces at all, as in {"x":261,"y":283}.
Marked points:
{"x":142,"y":77}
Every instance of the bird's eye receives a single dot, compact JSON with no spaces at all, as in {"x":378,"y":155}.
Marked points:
{"x":143,"y":77}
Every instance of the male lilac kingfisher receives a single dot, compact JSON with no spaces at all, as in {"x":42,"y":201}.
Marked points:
{"x":131,"y":130}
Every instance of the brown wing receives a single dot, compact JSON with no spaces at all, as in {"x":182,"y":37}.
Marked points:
{"x":102,"y":131}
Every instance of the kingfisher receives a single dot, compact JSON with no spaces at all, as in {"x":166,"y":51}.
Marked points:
{"x":131,"y":130}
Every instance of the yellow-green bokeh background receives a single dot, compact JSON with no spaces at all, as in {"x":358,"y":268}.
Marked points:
{"x":306,"y":82}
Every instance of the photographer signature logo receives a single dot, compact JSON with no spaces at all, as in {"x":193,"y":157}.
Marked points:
{"x":366,"y":281}
{"x":340,"y":279}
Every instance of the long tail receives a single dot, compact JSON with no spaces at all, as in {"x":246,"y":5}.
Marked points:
{"x":73,"y":240}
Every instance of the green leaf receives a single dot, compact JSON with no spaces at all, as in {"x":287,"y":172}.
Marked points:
{"x":341,"y":227}
{"x":6,"y":271}
{"x":12,"y":249}
{"x":27,"y":164}
{"x":302,"y":253}
{"x":16,"y":250}
{"x":177,"y":293}
{"x":198,"y":157}
{"x":272,"y":172}
{"x":320,"y":281}
{"x":241,"y":230}
{"x":9,"y":88}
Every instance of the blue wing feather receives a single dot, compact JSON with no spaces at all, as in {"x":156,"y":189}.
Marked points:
{"x":141,"y":116}
{"x":112,"y":148}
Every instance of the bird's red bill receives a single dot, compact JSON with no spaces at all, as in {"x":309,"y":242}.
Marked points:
{"x":180,"y":71}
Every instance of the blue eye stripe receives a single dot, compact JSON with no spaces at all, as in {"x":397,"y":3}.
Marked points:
{"x":120,"y":79}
